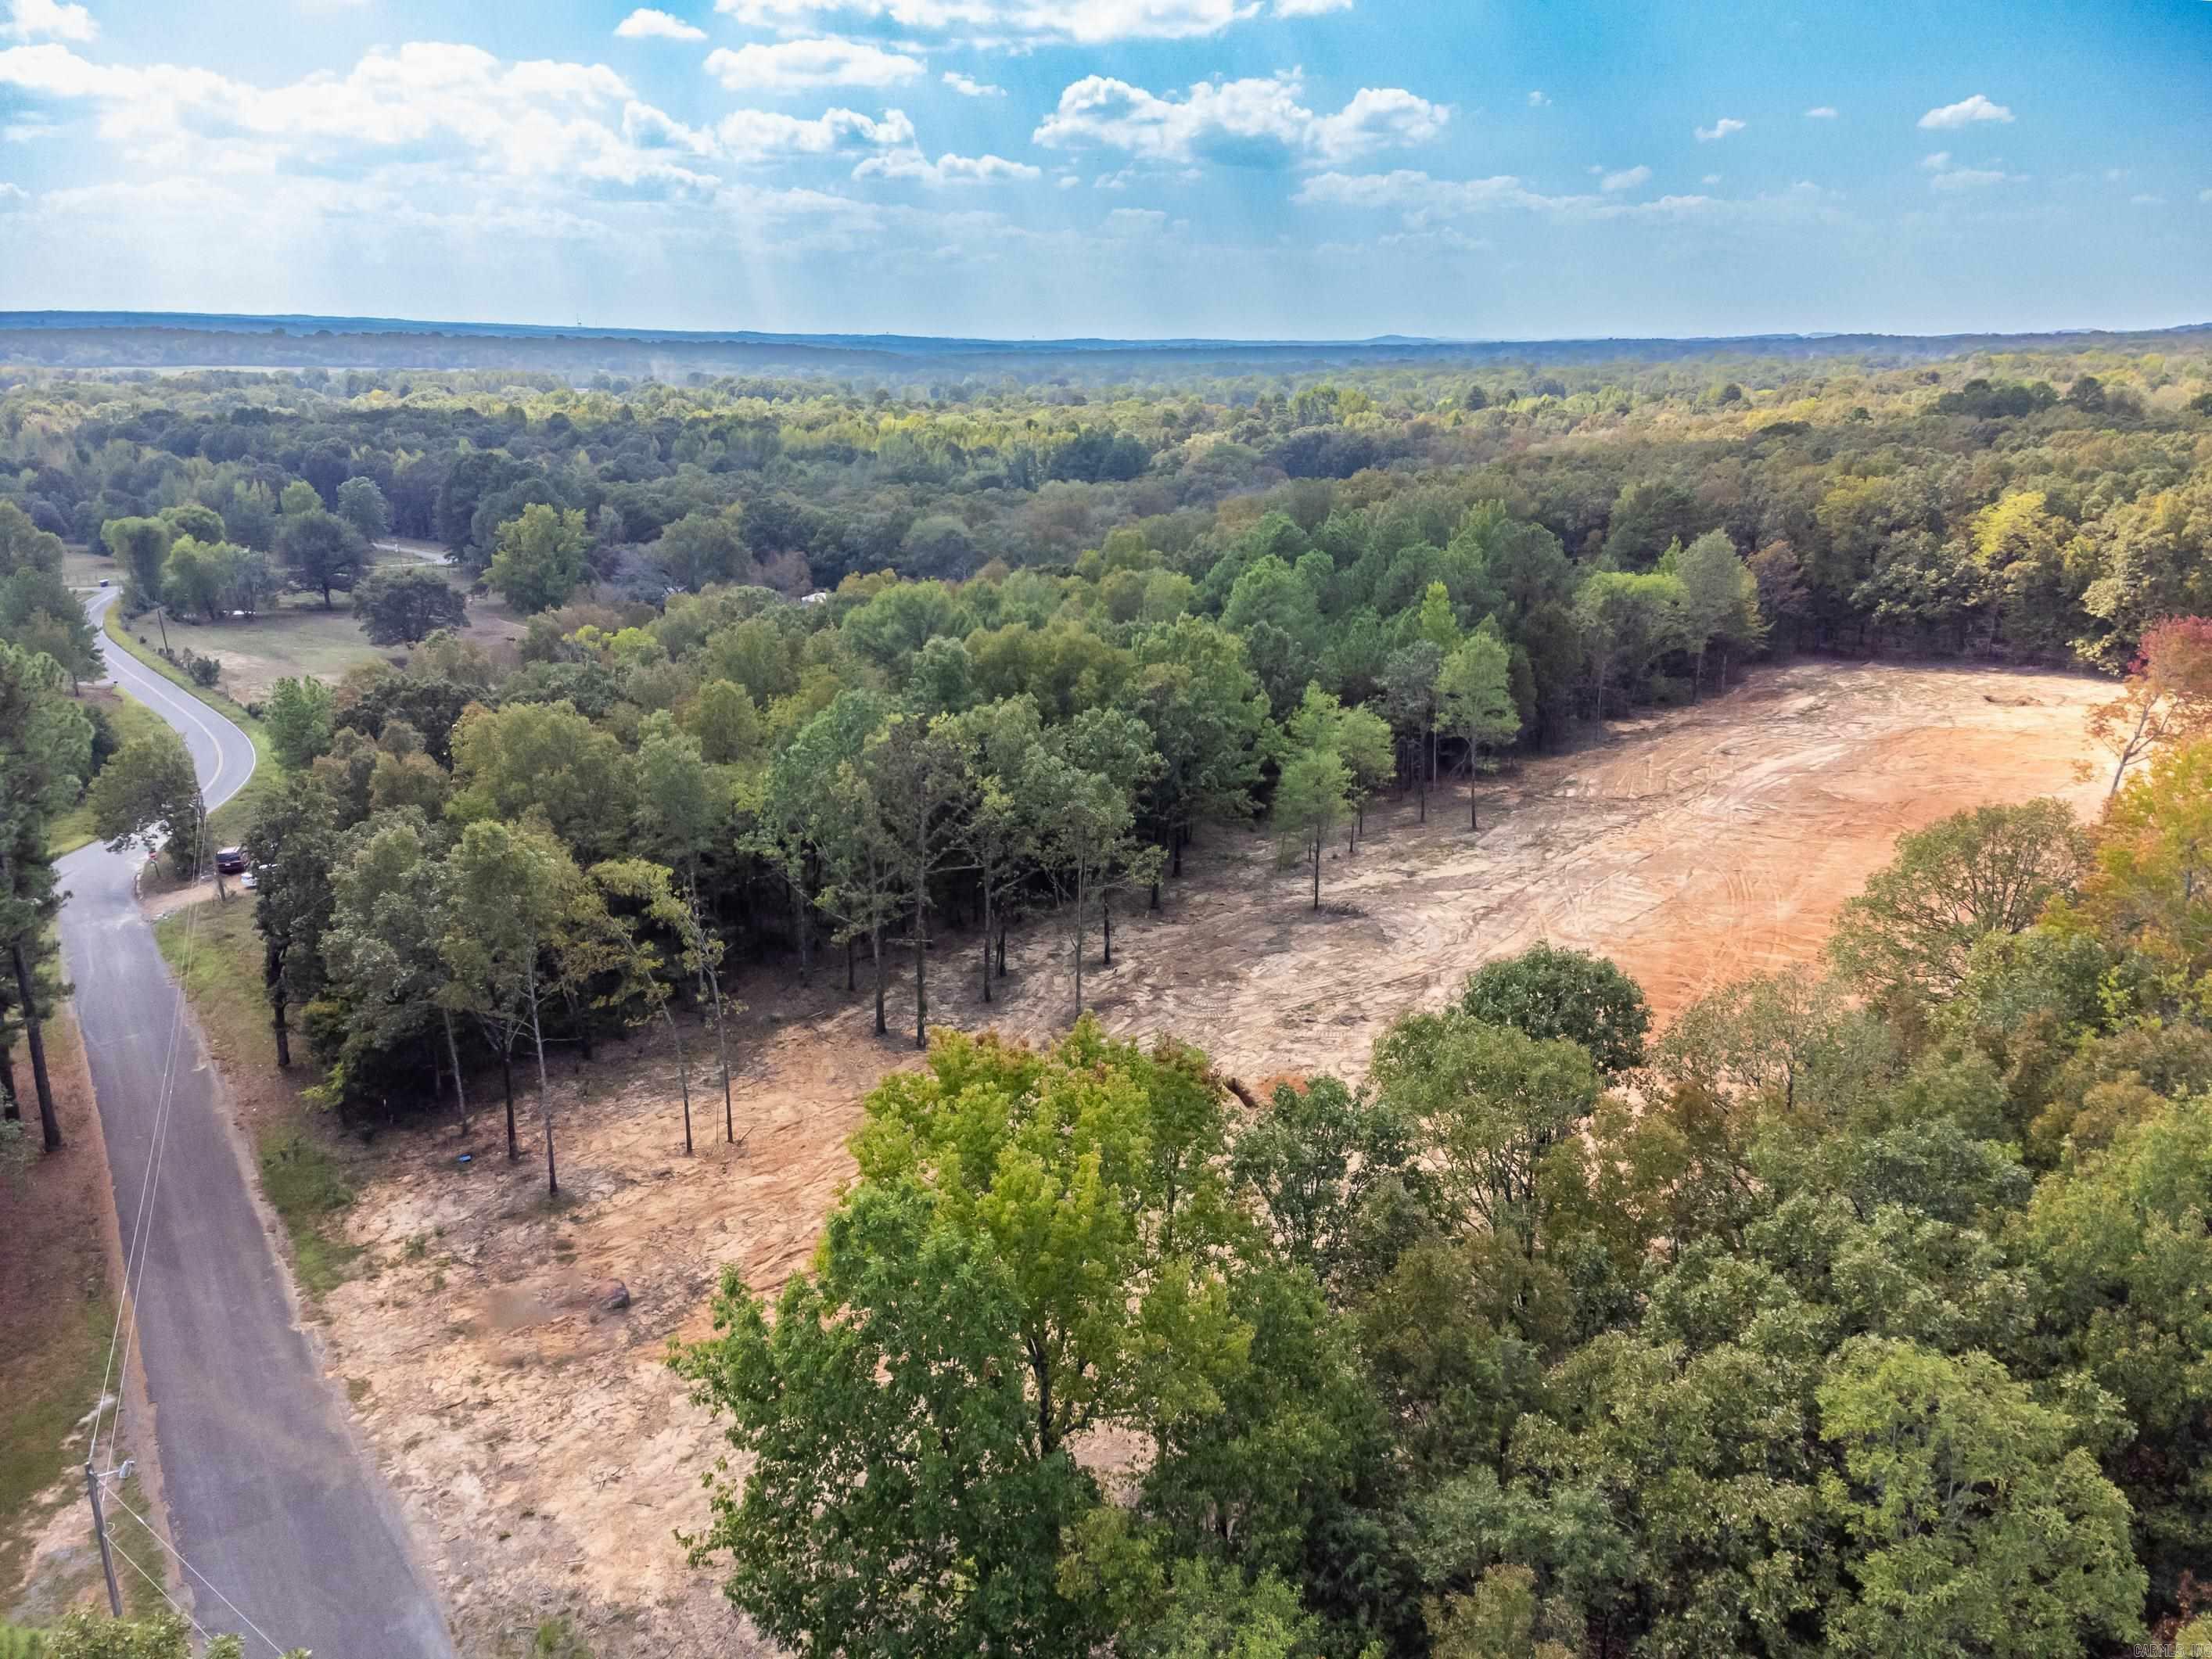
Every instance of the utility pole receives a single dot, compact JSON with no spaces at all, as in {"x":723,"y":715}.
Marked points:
{"x":99,"y":1531}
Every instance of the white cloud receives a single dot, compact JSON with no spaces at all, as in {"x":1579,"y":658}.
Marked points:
{"x":1821,"y":113}
{"x":1071,"y":181}
{"x":757,"y":135}
{"x":1309,"y":8}
{"x":910,"y":163}
{"x":1969,"y":179}
{"x":29,"y":19}
{"x":1421,"y":197}
{"x":1537,"y":100}
{"x":2148,"y":199}
{"x":2204,"y":195}
{"x":24,"y":132}
{"x":1952,"y":176}
{"x":1378,"y":118}
{"x":1252,"y":122}
{"x":437,"y":114}
{"x":1710,"y":179}
{"x":1086,"y":22}
{"x":1720,"y":129}
{"x":12,"y":196}
{"x":652,"y":129}
{"x":1136,"y":222}
{"x":968,"y":87}
{"x":1964,"y":114}
{"x":1627,"y":178}
{"x":796,"y":65}
{"x":647,"y":24}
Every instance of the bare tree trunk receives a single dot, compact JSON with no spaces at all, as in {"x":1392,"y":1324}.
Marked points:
{"x":798,"y":913}
{"x":1106,"y":920}
{"x":272,"y":977}
{"x":453,"y":1052}
{"x":1316,"y":869}
{"x":875,"y":947}
{"x":544,"y":1092}
{"x":986,"y":936}
{"x":581,"y":1013}
{"x":683,"y":1075}
{"x":722,"y":1053}
{"x":1079,"y":896}
{"x":35,"y":1038}
{"x":921,"y":960}
{"x":1473,"y":807}
{"x":11,"y":1110}
{"x":2128,"y":751}
{"x":506,"y":1076}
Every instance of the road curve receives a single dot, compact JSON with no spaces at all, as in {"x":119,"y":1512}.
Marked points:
{"x":269,"y":1494}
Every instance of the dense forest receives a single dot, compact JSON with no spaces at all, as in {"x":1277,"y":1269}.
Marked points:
{"x":1859,"y":1313}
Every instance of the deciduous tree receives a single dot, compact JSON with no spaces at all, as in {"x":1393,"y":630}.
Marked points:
{"x":298,"y":716}
{"x":2166,"y":697}
{"x":1474,"y":701}
{"x":1988,"y":870}
{"x":148,"y":789}
{"x":402,"y":604}
{"x":539,"y":558}
{"x":1547,"y":991}
{"x":322,"y":550}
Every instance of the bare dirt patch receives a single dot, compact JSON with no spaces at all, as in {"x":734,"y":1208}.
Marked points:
{"x":538,"y":1441}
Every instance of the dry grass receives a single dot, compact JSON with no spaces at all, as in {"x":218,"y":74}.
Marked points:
{"x":299,"y":637}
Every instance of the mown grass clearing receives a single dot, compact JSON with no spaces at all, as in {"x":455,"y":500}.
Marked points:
{"x":297,"y":637}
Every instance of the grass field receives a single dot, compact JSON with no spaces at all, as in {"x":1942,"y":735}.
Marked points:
{"x":132,"y":718}
{"x":228,"y":822}
{"x":215,"y":954}
{"x":82,"y":568}
{"x":298,"y":637}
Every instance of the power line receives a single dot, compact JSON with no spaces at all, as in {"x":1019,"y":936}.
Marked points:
{"x":161,"y":1590}
{"x":134,"y":1258}
{"x":198,"y":1574}
{"x":124,"y":1335}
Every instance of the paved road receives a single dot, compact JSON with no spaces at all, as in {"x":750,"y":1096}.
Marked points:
{"x":267,"y":1494}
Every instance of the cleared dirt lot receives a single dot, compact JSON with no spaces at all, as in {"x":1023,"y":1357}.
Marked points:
{"x":542,"y":1446}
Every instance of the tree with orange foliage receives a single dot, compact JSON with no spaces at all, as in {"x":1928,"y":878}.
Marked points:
{"x":2166,"y":697}
{"x":2151,"y":881}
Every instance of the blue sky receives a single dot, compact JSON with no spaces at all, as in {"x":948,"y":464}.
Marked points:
{"x":1496,"y":168}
